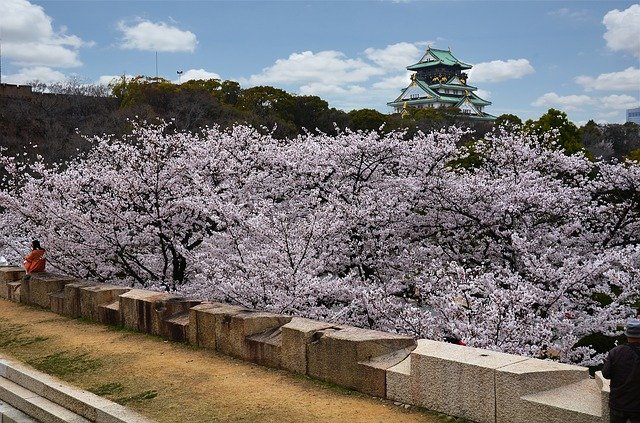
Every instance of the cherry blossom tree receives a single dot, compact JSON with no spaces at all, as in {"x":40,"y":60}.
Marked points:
{"x":506,"y":243}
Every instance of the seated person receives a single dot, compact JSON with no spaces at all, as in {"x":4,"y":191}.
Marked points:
{"x":35,"y":261}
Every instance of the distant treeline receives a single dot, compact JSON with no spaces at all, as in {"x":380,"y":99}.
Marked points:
{"x":54,"y":124}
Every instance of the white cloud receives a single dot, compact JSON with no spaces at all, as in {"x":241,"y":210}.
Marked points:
{"x":31,"y":54}
{"x":499,"y":70}
{"x":110,"y":79}
{"x":151,"y":36}
{"x":398,"y":82}
{"x":326,"y":67}
{"x":32,"y":74}
{"x":625,"y":80}
{"x":619,"y":102}
{"x":319,"y":88}
{"x":569,"y":102}
{"x":565,"y":12}
{"x":623,"y":30}
{"x":195,"y":74}
{"x":29,"y":38}
{"x":604,"y":117}
{"x":395,"y":55}
{"x":483,"y":94}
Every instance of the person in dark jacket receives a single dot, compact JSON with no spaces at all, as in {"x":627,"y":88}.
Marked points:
{"x":622,"y":366}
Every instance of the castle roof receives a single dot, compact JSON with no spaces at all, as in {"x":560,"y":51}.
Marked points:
{"x":434,"y":57}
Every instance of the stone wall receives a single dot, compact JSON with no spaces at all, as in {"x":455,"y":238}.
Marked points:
{"x":10,"y":90}
{"x":479,"y":385}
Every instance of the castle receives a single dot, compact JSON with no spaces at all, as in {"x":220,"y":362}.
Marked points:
{"x":440,"y":80}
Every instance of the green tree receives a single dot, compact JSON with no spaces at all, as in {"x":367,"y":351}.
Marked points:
{"x":568,"y":136}
{"x":508,"y":121}
{"x":366,"y":119}
{"x":211,"y":86}
{"x":265,"y":100}
{"x":135,"y":90}
{"x":634,"y":155}
{"x":230,"y":92}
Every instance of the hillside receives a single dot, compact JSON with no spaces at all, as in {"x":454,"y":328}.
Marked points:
{"x":54,"y":118}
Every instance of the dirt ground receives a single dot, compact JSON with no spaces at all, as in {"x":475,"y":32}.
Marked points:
{"x":174,"y":382}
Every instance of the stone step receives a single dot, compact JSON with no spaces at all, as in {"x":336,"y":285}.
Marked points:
{"x":577,"y":402}
{"x":36,"y":406}
{"x":22,"y":383}
{"x":9,"y":414}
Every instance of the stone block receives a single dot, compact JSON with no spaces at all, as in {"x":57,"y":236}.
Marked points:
{"x":36,"y":287}
{"x":265,"y":348}
{"x":56,"y":302}
{"x":575,"y":403}
{"x":296,"y":337}
{"x":96,"y":295}
{"x":399,"y":382}
{"x":137,"y":308}
{"x":605,"y":389}
{"x":457,"y":380}
{"x":176,"y":327}
{"x":205,"y":319}
{"x":109,"y":314}
{"x":116,"y":413}
{"x":13,"y":291}
{"x":9,"y":274}
{"x":528,"y":377}
{"x":356,"y":358}
{"x":232,"y":330}
{"x":8,"y":414}
{"x":164,"y":316}
{"x":71,"y":295}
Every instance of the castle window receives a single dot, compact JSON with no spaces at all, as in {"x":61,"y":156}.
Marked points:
{"x":414,"y":96}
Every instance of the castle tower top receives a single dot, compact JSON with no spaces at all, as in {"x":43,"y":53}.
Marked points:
{"x":436,"y":58}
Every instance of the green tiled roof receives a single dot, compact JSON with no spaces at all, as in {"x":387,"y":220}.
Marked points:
{"x":477,"y":100}
{"x":452,"y":86}
{"x":443,"y":57}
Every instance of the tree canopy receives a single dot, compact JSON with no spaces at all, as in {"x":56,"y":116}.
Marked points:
{"x":529,"y":250}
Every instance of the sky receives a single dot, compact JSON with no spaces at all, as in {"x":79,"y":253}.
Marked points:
{"x":582,"y":57}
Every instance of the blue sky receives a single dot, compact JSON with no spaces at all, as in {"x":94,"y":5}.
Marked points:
{"x":582,"y":57}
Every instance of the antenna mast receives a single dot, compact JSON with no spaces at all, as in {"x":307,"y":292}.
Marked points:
{"x":0,"y":55}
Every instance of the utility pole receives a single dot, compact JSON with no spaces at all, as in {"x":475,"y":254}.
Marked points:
{"x":0,"y":55}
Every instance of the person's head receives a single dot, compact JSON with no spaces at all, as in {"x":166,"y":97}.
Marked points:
{"x":35,"y":244}
{"x":632,"y":330}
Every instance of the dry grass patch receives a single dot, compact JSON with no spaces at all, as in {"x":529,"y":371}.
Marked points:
{"x":172,"y":382}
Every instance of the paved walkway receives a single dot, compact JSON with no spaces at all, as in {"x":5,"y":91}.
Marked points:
{"x":172,"y":382}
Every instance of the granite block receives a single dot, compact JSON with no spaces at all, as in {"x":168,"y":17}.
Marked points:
{"x":296,"y":336}
{"x":457,"y":380}
{"x":36,"y":287}
{"x":94,"y":296}
{"x":528,"y":377}
{"x":356,"y":358}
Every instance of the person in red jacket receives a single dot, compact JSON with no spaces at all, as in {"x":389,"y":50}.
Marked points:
{"x":35,"y":261}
